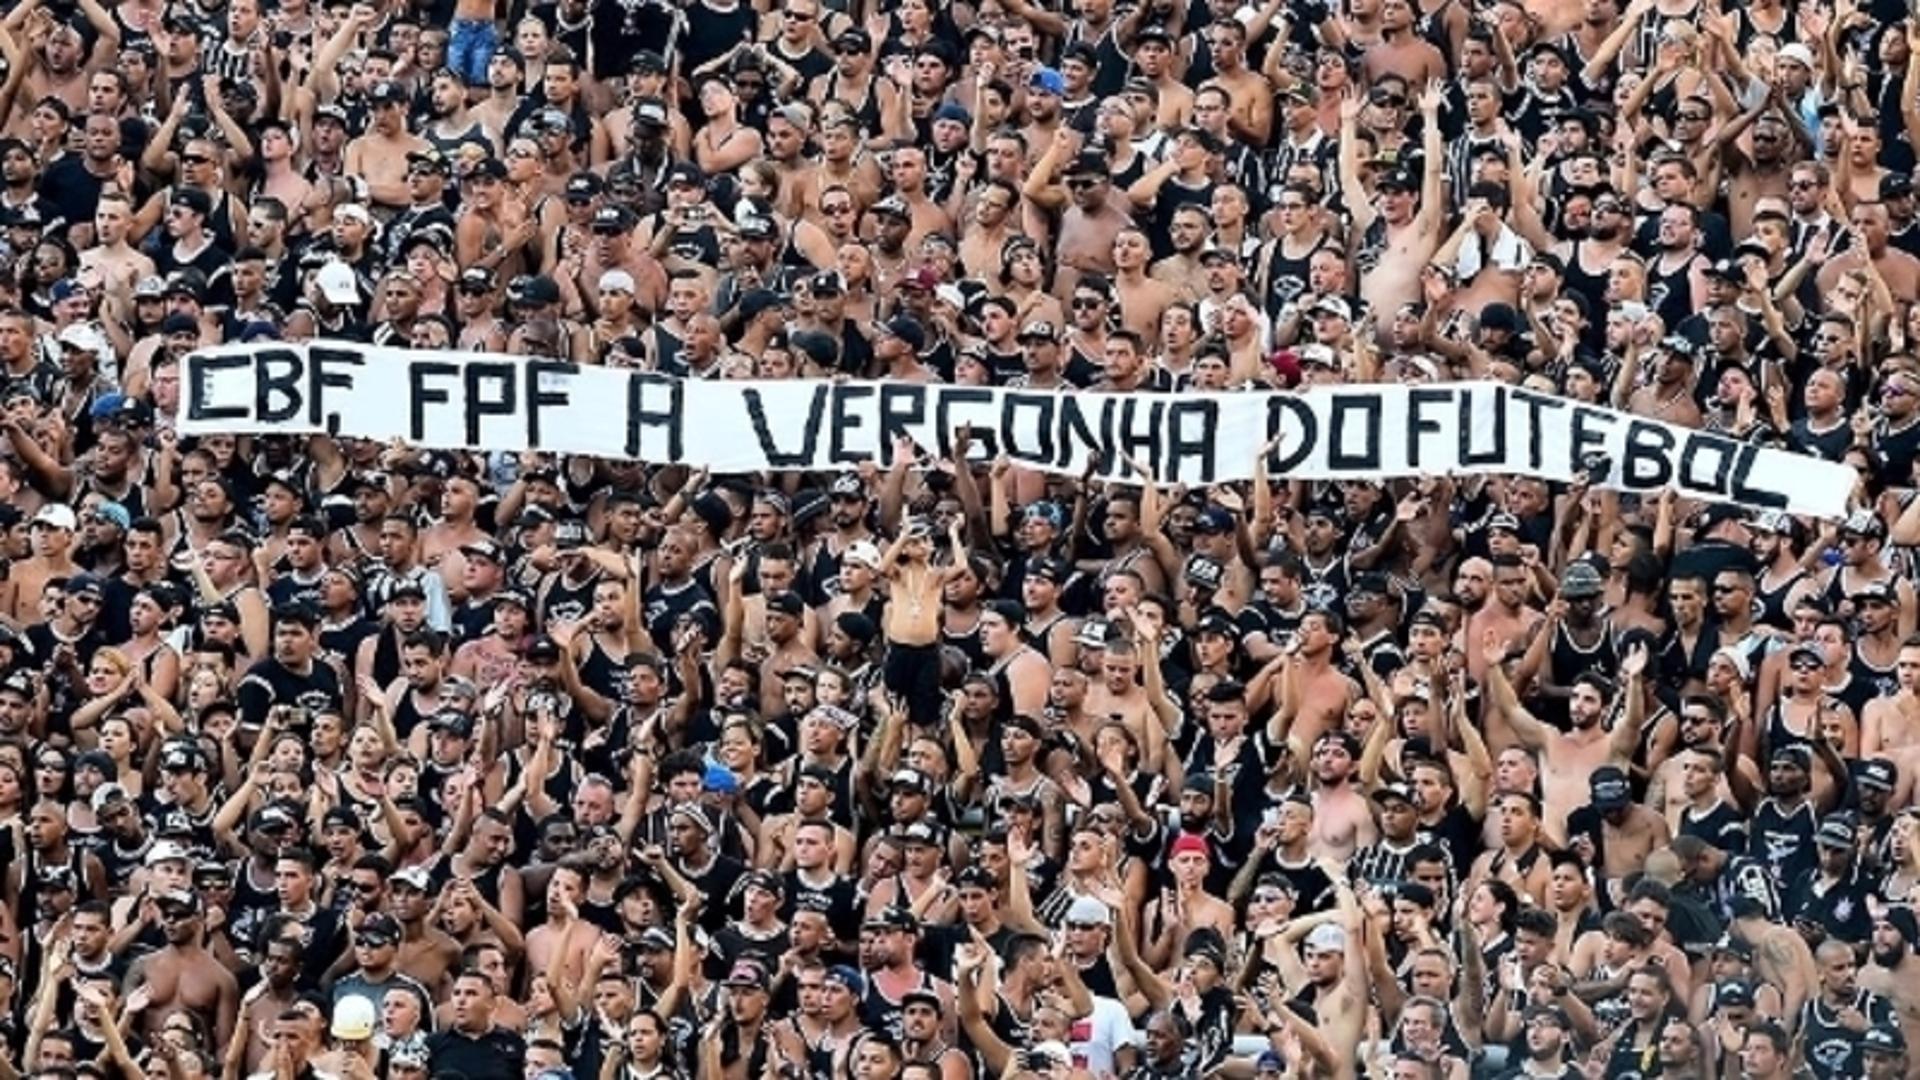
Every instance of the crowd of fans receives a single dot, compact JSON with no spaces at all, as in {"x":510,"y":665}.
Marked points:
{"x":322,"y":759}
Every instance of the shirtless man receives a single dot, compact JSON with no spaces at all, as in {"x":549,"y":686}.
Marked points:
{"x":560,"y":945}
{"x":1890,"y":726}
{"x":1629,"y":831}
{"x":184,"y":976}
{"x":1401,"y":50}
{"x":64,"y":63}
{"x":909,"y":174}
{"x":52,"y":533}
{"x":428,"y":953}
{"x":441,"y":544}
{"x":1871,"y":230}
{"x":913,"y":616}
{"x":1892,"y":972}
{"x":1409,"y":231}
{"x":1342,"y":819}
{"x":1118,"y":695}
{"x":1187,"y":905}
{"x":1569,"y":757}
{"x":380,"y":156}
{"x":119,"y":264}
{"x":1095,"y":215}
{"x":1250,"y":95}
{"x":1153,"y":61}
{"x":1504,"y":616}
{"x":1142,"y":299}
{"x":1781,"y":957}
{"x":1315,"y":693}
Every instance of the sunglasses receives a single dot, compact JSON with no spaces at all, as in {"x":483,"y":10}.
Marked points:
{"x":1082,"y":184}
{"x":1086,"y":303}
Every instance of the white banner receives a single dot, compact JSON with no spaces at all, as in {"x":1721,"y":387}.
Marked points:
{"x":471,"y":401}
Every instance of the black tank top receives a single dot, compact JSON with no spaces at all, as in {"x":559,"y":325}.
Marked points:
{"x":406,"y":716}
{"x":1773,"y":602}
{"x":600,"y":670}
{"x":1877,"y":681}
{"x":968,"y":642}
{"x":1287,"y":275}
{"x":1591,"y":286}
{"x":566,"y":601}
{"x":1670,"y":293}
{"x":386,"y":656}
{"x":1783,"y":840}
{"x":867,"y":110}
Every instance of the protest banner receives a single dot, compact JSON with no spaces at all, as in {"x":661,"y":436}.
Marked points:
{"x":474,"y":401}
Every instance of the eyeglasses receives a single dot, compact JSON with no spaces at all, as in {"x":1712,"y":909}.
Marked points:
{"x":1086,"y":303}
{"x":1802,"y":185}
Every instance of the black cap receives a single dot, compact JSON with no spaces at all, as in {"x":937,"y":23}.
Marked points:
{"x":686,"y":173}
{"x":1610,"y":788}
{"x":907,"y":329}
{"x":432,"y":159}
{"x":1734,"y":993}
{"x":387,"y":92}
{"x":1883,"y":1039}
{"x":192,"y":199}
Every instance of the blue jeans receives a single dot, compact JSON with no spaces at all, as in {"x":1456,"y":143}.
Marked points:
{"x":469,"y":48}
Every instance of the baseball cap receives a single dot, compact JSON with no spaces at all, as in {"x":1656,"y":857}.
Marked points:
{"x":1878,"y":774}
{"x":1327,"y":938}
{"x":1883,"y":1039}
{"x":1047,"y":81}
{"x":56,"y":516}
{"x":1835,"y":832}
{"x":353,"y":1018}
{"x":1609,"y":788}
{"x":1089,"y":910}
{"x":337,"y":283}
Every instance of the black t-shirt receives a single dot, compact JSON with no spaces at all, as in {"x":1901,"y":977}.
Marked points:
{"x":269,"y":683}
{"x":500,"y":1054}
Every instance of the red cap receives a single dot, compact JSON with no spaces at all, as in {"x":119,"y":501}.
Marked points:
{"x":1286,"y":365}
{"x":1189,"y":842}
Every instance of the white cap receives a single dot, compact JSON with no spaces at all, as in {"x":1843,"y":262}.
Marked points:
{"x":1797,"y":53}
{"x":1089,"y":910}
{"x":57,"y":515}
{"x":84,"y":337}
{"x":337,"y":283}
{"x":167,"y":850}
{"x":1327,"y":938}
{"x":353,"y":1018}
{"x":107,"y":793}
{"x":616,"y":281}
{"x":949,"y":294}
{"x":862,"y":552}
{"x":1053,"y":1050}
